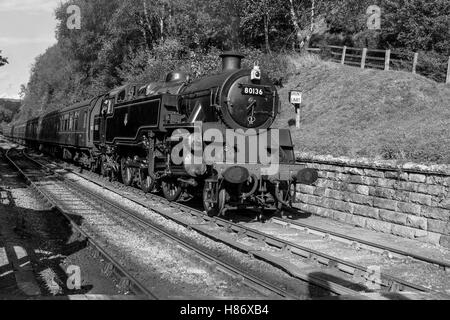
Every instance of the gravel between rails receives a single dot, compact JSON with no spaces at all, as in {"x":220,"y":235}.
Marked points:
{"x":421,"y":273}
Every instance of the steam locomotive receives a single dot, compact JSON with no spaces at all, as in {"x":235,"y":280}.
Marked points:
{"x":155,"y":136}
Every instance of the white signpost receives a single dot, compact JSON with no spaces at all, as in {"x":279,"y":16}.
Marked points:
{"x":295,"y":97}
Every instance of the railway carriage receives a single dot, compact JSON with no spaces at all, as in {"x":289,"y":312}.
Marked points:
{"x":132,"y":133}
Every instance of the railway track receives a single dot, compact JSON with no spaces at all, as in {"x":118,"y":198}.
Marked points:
{"x":359,"y":243}
{"x":60,"y":192}
{"x":34,"y":175}
{"x":337,"y":275}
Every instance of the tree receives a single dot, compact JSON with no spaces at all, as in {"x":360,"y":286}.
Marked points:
{"x":304,"y":17}
{"x":260,"y":13}
{"x":3,"y":60}
{"x":417,"y":25}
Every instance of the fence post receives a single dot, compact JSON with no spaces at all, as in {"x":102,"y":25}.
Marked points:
{"x":344,"y":52}
{"x":363,"y":60}
{"x":448,"y":72}
{"x":416,"y":58}
{"x":387,"y":61}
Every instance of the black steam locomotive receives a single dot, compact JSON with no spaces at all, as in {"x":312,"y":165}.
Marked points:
{"x":156,"y":135}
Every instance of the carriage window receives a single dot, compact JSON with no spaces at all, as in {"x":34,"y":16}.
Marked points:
{"x":66,"y":122}
{"x":132,"y":93}
{"x":71,"y":122}
{"x":85,"y":120}
{"x":77,"y":115}
{"x":121,"y":96}
{"x":104,"y":107}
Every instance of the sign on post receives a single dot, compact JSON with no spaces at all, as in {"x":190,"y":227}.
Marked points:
{"x":295,"y":97}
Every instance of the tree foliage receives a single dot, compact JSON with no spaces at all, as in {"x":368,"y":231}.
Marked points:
{"x":3,"y":60}
{"x":141,"y":40}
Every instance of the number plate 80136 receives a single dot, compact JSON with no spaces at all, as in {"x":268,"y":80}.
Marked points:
{"x":253,"y":91}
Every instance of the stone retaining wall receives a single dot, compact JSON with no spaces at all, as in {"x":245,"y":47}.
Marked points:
{"x":407,"y":200}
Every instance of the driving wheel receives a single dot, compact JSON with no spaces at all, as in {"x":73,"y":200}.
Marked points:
{"x":127,"y":177}
{"x":171,"y":190}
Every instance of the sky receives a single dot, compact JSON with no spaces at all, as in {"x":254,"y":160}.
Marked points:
{"x":27,"y":29}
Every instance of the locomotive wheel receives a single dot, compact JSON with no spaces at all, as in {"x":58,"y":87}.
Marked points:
{"x":214,"y":209}
{"x":127,"y":176}
{"x":93,"y":166}
{"x":171,"y":190}
{"x":147,"y":183}
{"x":103,"y":171}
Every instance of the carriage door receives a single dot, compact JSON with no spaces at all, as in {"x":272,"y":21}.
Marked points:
{"x":107,"y":110}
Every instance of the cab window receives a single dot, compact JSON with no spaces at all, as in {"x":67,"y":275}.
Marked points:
{"x":110,"y":106}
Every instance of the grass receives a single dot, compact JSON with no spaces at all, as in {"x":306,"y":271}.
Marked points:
{"x":368,"y":113}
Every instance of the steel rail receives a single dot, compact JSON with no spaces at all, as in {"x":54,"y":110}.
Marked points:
{"x":359,"y":243}
{"x":358,"y":272}
{"x":325,"y":284}
{"x":126,"y":280}
{"x":393,"y":284}
{"x":251,"y":281}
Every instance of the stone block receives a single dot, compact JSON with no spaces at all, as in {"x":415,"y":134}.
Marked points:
{"x":379,"y":226}
{"x":433,"y":190}
{"x":435,"y":213}
{"x":363,"y":190}
{"x":420,"y":198}
{"x":445,"y":204}
{"x":407,"y":207}
{"x":324,"y":212}
{"x":320,"y":191}
{"x":421,"y":178}
{"x":340,"y":216}
{"x":374,"y":173}
{"x":391,"y":175}
{"x":382,"y":193}
{"x":401,"y":196}
{"x":306,"y":189}
{"x":417,"y":222}
{"x":445,"y":241}
{"x":437,"y":226}
{"x":404,"y":231}
{"x":385,"y":183}
{"x":357,"y":171}
{"x":385,"y":204}
{"x":394,"y":217}
{"x":358,"y":221}
{"x":406,"y":186}
{"x":432,"y":238}
{"x":366,"y":211}
{"x":361,"y":199}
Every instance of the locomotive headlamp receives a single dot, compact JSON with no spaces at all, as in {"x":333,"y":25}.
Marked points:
{"x":256,"y":73}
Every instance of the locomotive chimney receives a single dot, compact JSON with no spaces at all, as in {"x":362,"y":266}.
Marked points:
{"x":231,"y":61}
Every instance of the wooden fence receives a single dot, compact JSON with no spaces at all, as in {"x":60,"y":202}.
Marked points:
{"x":373,"y":58}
